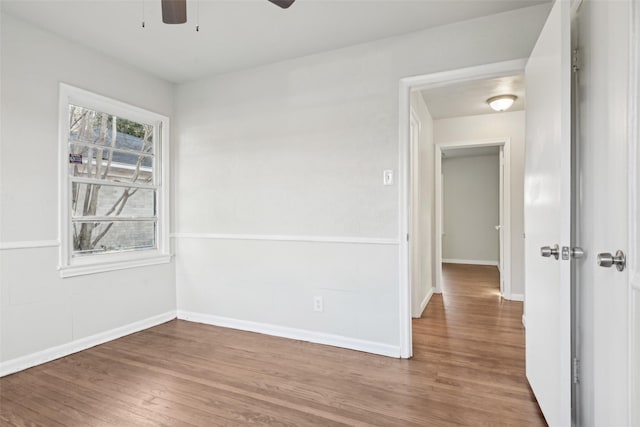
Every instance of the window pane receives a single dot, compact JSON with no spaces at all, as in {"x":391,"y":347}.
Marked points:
{"x":95,"y":127}
{"x":109,"y":237}
{"x":100,"y":163}
{"x":106,"y":200}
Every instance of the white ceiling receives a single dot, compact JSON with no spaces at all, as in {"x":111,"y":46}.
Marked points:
{"x":237,"y":34}
{"x":470,"y":98}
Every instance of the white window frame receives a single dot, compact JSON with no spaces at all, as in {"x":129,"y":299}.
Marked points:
{"x":69,"y":265}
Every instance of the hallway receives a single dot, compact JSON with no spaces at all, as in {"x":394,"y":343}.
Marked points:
{"x":476,"y":339}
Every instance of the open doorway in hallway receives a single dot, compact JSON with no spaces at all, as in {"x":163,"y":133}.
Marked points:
{"x":443,"y":113}
{"x":465,"y":198}
{"x":466,"y":245}
{"x":473,"y":209}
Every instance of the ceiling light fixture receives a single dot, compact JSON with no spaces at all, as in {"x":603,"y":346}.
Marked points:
{"x":501,"y":102}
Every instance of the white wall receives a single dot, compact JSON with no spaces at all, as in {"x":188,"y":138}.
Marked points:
{"x":507,"y":124}
{"x":471,"y":208}
{"x":38,"y":309}
{"x":423,"y":285}
{"x":297,"y":148}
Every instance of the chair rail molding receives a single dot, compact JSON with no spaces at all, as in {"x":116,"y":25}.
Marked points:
{"x":289,"y":238}
{"x":29,"y":244}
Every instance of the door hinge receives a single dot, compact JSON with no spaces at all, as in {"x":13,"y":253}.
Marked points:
{"x":575,"y":371}
{"x":407,"y":237}
{"x":575,"y":61}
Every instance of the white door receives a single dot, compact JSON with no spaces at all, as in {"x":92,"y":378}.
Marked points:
{"x":603,"y":212}
{"x":548,"y":217}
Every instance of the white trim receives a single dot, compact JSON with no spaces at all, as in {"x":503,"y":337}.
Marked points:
{"x":416,"y":117}
{"x":404,"y":274}
{"x":113,"y":218}
{"x":114,"y":149}
{"x":524,"y":321}
{"x":633,"y":256}
{"x":470,"y":262}
{"x":415,"y":202}
{"x":106,"y":104}
{"x":438,"y":203}
{"x":461,"y":75}
{"x":634,"y":369}
{"x":501,"y":194}
{"x":70,"y":265}
{"x":424,"y":303}
{"x":634,"y":148}
{"x":406,"y":85}
{"x":94,"y":268}
{"x":292,"y":333}
{"x":29,"y":244}
{"x":288,"y":238}
{"x":107,"y":183}
{"x":516,"y":297}
{"x":44,"y":356}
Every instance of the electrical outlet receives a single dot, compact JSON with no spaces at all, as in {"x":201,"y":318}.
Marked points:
{"x":317,"y":304}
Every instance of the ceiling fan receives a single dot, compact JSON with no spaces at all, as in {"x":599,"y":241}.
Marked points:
{"x":175,"y":11}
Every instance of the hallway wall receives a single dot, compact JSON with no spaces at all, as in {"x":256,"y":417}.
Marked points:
{"x":471,"y":209}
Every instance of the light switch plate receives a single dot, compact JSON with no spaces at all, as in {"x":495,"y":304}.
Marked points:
{"x":387,"y":177}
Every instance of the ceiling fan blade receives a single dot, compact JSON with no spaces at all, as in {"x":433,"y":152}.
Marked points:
{"x":174,"y":11}
{"x":282,"y":3}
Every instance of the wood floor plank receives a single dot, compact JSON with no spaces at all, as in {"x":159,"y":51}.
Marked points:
{"x":467,"y":370}
{"x":14,"y":413}
{"x":336,"y":391}
{"x":154,"y":386}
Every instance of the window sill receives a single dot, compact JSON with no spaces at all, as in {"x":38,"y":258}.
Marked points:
{"x":82,"y":270}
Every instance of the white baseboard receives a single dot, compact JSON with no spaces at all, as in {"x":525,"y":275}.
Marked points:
{"x":40,"y":357}
{"x":470,"y":262}
{"x":424,"y":302}
{"x":293,"y":333}
{"x":516,"y":297}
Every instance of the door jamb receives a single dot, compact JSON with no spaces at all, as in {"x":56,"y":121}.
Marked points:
{"x":406,"y":85}
{"x":505,"y":143}
{"x":414,"y":223}
{"x":634,"y":210}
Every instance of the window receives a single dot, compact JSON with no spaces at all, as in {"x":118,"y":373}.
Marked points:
{"x":114,"y":202}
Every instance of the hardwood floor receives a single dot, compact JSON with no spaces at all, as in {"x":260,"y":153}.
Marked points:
{"x":468,"y":369}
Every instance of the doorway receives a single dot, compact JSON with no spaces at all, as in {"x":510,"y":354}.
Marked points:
{"x":468,"y":320}
{"x":474,"y":245}
{"x":408,"y":175}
